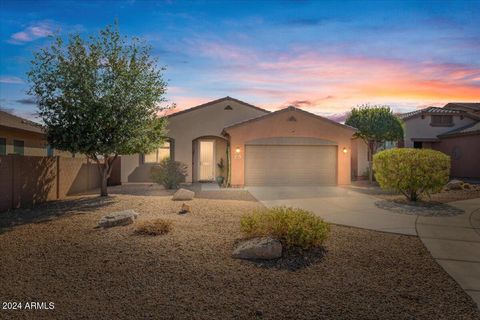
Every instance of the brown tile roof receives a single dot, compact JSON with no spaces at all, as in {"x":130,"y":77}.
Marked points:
{"x":290,"y":108}
{"x":468,"y":105}
{"x":467,"y":130}
{"x":217,"y":101}
{"x":428,"y":110}
{"x":11,"y":121}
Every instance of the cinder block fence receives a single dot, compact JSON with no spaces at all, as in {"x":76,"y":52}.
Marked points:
{"x":26,"y":180}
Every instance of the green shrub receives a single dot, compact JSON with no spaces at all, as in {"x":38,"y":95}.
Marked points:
{"x":413,"y":172}
{"x":169,"y":173}
{"x":293,"y":227}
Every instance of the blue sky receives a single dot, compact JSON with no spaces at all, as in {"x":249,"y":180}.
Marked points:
{"x":323,"y":56}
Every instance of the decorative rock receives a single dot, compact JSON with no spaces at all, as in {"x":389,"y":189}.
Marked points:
{"x":454,"y":185}
{"x":121,"y":218}
{"x":467,"y":186}
{"x":258,"y":248}
{"x":185,"y":208}
{"x":183,"y":194}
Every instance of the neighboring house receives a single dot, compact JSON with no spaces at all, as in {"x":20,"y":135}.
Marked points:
{"x":422,"y":127}
{"x":24,"y":137}
{"x":286,"y":147}
{"x":453,"y":130}
{"x":21,"y":136}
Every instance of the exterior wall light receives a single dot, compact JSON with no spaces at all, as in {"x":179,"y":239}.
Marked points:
{"x":345,"y":150}
{"x":237,"y":150}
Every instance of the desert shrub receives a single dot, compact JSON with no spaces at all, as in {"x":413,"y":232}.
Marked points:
{"x":293,"y":227}
{"x":169,"y":173}
{"x":154,"y":227}
{"x":413,"y":172}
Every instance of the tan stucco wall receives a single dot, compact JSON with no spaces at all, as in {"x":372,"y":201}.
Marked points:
{"x":34,"y":143}
{"x":421,"y":129}
{"x":464,"y":152}
{"x":278,"y":126}
{"x":187,"y":127}
{"x":359,"y":158}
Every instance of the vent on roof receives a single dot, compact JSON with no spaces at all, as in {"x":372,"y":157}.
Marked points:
{"x":228,"y":108}
{"x":292,"y":118}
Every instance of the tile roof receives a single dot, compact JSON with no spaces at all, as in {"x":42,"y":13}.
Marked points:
{"x":216,"y":101}
{"x":469,"y":105}
{"x":467,"y":130}
{"x":429,"y":110}
{"x":12,"y":121}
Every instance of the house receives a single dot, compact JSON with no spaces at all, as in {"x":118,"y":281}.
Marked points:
{"x":21,"y":136}
{"x":24,"y":137}
{"x":422,"y":127}
{"x":286,"y":147}
{"x":453,"y":130}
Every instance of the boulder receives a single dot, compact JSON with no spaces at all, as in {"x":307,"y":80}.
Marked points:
{"x":454,"y":185}
{"x":121,"y":218}
{"x":467,"y":186}
{"x":258,"y":248}
{"x":183,"y":194}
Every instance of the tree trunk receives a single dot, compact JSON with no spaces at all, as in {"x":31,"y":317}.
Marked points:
{"x":103,"y":187}
{"x":372,"y":146}
{"x":104,"y":169}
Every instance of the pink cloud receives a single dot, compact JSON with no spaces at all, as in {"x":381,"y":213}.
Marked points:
{"x":36,"y":31}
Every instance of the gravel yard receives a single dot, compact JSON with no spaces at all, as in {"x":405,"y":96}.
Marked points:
{"x":91,"y":273}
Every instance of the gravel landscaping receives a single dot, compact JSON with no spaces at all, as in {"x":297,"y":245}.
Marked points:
{"x":55,"y":253}
{"x":419,"y":208}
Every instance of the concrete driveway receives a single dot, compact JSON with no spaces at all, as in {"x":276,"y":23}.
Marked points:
{"x":337,"y":205}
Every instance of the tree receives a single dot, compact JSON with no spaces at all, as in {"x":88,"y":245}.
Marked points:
{"x":99,"y":97}
{"x":376,"y":124}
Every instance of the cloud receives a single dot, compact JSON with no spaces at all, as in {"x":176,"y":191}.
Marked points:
{"x":10,"y":80}
{"x":33,"y":32}
{"x":338,"y":117}
{"x":27,"y":101}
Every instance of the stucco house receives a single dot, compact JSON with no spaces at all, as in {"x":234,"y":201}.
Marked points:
{"x":453,"y":130}
{"x":286,"y":147}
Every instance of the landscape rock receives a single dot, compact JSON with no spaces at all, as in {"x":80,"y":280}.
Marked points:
{"x":454,"y":185}
{"x":183,"y":194}
{"x":467,"y":186}
{"x":121,"y":218}
{"x":258,"y":248}
{"x":185,"y":208}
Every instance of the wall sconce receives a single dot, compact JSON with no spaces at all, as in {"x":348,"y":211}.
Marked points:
{"x":345,"y":150}
{"x":237,"y":150}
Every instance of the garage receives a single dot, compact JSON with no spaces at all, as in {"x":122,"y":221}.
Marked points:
{"x":290,"y":165}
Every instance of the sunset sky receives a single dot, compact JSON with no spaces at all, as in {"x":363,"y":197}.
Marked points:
{"x":322,"y":56}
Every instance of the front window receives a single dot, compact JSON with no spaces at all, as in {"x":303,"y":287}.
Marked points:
{"x":18,"y":147}
{"x":158,"y":155}
{"x":442,"y":121}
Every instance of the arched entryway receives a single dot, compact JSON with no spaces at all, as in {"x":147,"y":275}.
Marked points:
{"x":208,"y":152}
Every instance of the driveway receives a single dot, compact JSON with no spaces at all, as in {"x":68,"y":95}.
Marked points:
{"x":453,"y":241}
{"x":337,"y":205}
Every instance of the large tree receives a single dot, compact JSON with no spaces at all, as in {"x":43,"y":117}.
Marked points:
{"x":376,"y":124}
{"x":99,"y":96}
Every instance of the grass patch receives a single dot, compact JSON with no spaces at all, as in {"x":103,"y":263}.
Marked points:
{"x":295,"y":228}
{"x":154,"y":227}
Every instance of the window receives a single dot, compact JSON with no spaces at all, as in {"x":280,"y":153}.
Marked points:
{"x":442,"y":121}
{"x":417,"y":144}
{"x":3,"y":146}
{"x":158,"y":155}
{"x":18,"y":147}
{"x":50,"y":151}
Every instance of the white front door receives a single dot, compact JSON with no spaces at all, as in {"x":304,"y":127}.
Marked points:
{"x":207,"y":160}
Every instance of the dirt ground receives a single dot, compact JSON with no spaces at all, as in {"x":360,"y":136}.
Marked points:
{"x":441,"y":197}
{"x":55,"y":253}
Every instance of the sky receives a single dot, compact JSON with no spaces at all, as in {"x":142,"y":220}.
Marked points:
{"x":322,"y":56}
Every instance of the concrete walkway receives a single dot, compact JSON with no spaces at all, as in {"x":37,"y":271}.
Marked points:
{"x":453,"y":241}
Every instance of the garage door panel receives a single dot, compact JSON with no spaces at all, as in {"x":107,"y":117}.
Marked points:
{"x":290,"y":165}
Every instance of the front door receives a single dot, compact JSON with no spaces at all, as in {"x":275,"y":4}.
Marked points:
{"x":207,"y":160}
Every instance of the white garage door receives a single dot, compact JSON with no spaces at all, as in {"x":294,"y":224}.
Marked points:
{"x":274,"y":165}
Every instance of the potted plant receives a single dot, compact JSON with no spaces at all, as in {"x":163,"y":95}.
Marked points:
{"x":220,"y":178}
